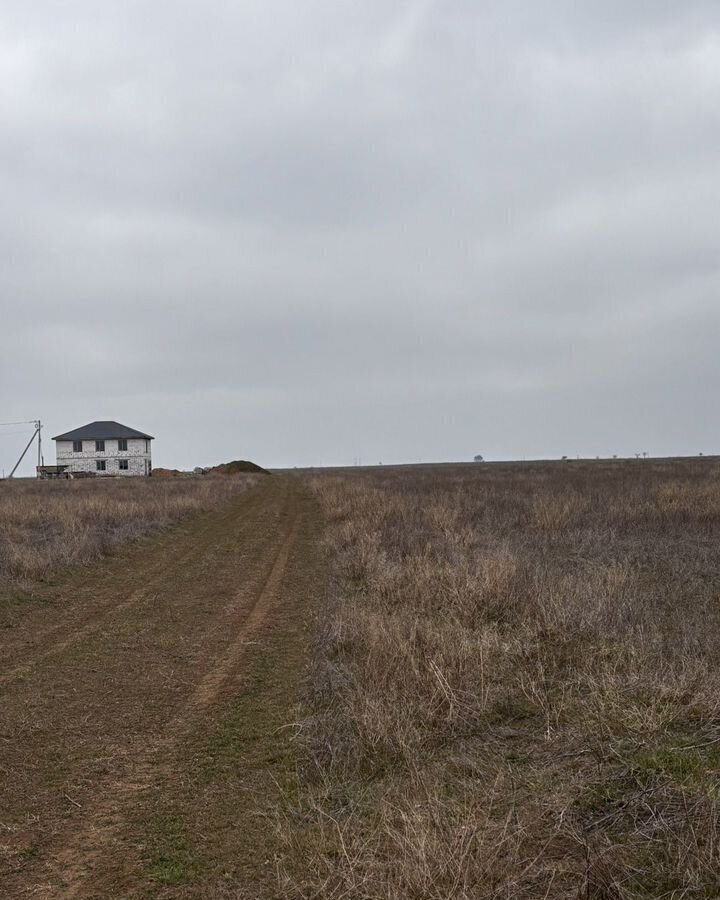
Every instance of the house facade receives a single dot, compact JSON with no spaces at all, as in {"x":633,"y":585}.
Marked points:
{"x":104,"y":448}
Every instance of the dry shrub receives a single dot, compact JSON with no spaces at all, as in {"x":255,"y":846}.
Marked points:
{"x":517,"y":686}
{"x":45,"y":525}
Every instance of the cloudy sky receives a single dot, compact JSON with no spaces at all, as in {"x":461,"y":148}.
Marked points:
{"x":312,"y":231}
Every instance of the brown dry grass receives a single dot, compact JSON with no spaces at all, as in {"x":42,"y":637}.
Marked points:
{"x":46,"y":525}
{"x":517,"y":686}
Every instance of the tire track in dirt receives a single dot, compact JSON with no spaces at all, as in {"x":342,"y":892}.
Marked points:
{"x":81,"y":843}
{"x":208,"y":690}
{"x":157,"y":573}
{"x":97,"y":619}
{"x":73,"y":864}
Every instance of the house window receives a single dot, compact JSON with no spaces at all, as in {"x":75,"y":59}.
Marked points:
{"x":100,"y":465}
{"x":99,"y":446}
{"x":77,"y":446}
{"x":122,"y":444}
{"x":147,"y":446}
{"x":123,"y":464}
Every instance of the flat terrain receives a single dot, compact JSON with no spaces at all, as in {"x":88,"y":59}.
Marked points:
{"x":512,"y":688}
{"x":516,"y":685}
{"x":48,"y":525}
{"x":146,"y":705}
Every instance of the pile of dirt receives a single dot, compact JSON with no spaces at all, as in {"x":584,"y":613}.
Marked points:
{"x":166,"y":473}
{"x":237,"y":467}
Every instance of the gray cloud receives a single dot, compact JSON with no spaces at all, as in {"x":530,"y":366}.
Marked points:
{"x":307,"y":232}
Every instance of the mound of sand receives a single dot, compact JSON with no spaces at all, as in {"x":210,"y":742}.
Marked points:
{"x":237,"y":467}
{"x":166,"y":473}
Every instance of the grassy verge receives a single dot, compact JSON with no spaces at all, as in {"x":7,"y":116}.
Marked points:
{"x":517,"y":686}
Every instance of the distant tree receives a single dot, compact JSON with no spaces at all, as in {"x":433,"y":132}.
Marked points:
{"x":614,"y":455}
{"x":478,"y":458}
{"x":563,"y":457}
{"x":645,"y":454}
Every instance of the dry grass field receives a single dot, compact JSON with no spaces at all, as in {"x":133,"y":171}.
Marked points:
{"x":516,"y":688}
{"x":46,"y":525}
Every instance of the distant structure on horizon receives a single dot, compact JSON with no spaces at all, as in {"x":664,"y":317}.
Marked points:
{"x":102,"y":448}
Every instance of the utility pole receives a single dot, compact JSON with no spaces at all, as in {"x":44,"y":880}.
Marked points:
{"x":37,"y":433}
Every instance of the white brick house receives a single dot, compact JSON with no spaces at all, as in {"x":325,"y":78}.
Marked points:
{"x":104,"y":448}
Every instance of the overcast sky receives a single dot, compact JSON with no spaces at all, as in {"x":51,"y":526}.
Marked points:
{"x":310,"y":231}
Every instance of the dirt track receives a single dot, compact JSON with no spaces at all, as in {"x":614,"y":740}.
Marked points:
{"x":142,"y":708}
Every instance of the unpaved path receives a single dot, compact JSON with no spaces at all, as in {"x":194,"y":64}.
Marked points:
{"x":143,"y":710}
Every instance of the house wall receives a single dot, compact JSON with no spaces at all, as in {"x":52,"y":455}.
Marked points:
{"x":138,"y":455}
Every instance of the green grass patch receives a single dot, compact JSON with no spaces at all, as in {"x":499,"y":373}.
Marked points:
{"x":172,"y":860}
{"x":693,"y":766}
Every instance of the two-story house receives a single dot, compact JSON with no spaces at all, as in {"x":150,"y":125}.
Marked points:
{"x":104,"y":448}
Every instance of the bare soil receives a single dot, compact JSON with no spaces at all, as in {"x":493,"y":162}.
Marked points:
{"x":146,"y":707}
{"x":238,"y":467}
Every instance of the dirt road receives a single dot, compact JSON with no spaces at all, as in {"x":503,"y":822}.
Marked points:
{"x":146,"y":705}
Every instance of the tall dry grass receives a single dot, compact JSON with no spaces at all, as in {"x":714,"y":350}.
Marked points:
{"x":517,"y":686}
{"x":45,"y":525}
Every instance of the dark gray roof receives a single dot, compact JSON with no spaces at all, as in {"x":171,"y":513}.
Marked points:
{"x":99,"y":431}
